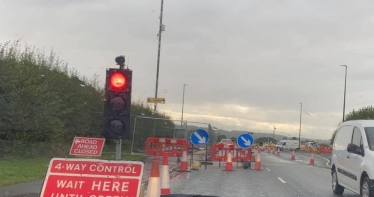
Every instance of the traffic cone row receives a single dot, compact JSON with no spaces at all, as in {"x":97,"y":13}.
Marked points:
{"x":159,"y":185}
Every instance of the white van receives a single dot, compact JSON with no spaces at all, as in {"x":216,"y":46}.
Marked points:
{"x":288,"y":144}
{"x":352,"y":163}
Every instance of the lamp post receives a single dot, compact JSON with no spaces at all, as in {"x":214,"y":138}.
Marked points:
{"x":274,"y":134}
{"x":184,"y":87}
{"x":301,"y":109}
{"x":345,"y":88}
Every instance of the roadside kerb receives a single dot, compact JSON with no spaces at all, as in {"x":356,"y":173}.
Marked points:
{"x":321,"y":157}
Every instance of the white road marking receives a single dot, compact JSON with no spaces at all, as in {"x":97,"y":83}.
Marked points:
{"x":281,"y":180}
{"x":268,"y":169}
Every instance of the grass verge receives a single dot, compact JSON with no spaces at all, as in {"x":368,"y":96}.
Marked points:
{"x":16,"y":170}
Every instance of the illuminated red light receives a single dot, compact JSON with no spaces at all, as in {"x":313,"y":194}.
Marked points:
{"x":117,"y":80}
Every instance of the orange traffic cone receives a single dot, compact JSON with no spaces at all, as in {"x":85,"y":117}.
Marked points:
{"x":165,"y":176}
{"x":153,"y":189}
{"x":258,"y":161}
{"x":229,"y":163}
{"x":293,"y":155}
{"x":273,"y":150}
{"x":184,"y":166}
{"x":311,"y":161}
{"x":279,"y":152}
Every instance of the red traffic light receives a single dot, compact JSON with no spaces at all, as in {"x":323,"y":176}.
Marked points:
{"x":117,"y":80}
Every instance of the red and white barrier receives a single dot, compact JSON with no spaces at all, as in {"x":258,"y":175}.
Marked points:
{"x":159,"y":146}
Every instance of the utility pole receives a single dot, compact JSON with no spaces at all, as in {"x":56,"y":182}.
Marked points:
{"x":301,"y":110}
{"x":159,"y":49}
{"x":345,"y":88}
{"x":274,"y":134}
{"x":184,"y":87}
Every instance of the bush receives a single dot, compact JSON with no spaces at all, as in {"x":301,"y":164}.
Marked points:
{"x":45,"y":103}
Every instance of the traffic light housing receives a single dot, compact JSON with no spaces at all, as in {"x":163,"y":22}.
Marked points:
{"x":117,"y":103}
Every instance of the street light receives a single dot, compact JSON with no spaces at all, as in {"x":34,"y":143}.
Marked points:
{"x":345,"y":87}
{"x":301,"y":109}
{"x":184,"y":87}
{"x":274,"y":134}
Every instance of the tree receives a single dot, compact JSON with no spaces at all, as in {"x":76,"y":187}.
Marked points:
{"x":294,"y":138}
{"x":220,"y":137}
{"x":264,"y":139}
{"x":44,"y":102}
{"x":365,"y":113}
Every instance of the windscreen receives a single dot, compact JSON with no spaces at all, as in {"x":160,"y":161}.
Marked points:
{"x":370,"y":136}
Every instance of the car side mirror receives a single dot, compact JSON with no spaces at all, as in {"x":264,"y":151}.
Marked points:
{"x":352,"y":148}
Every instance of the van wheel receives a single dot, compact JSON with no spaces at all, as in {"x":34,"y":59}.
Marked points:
{"x":365,"y":188}
{"x":336,"y":188}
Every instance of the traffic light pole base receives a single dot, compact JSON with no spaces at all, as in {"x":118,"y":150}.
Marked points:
{"x":118,"y":149}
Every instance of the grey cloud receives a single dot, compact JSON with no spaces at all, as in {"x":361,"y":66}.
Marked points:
{"x":267,"y":55}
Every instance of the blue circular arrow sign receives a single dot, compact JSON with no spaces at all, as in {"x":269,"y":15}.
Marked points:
{"x":199,"y":136}
{"x":245,"y":140}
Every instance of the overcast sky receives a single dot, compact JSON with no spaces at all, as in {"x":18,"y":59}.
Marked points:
{"x":248,"y":64}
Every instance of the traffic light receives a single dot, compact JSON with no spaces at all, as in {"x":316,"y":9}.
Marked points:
{"x":117,"y":105}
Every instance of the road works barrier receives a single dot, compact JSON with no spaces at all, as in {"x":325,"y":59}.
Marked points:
{"x":159,"y":146}
{"x":219,"y":152}
{"x":327,"y":150}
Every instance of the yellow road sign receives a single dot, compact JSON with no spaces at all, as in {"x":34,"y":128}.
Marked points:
{"x":155,"y":100}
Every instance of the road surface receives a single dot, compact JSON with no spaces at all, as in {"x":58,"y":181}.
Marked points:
{"x":279,"y":177}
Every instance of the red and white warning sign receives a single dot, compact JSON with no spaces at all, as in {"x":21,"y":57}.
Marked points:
{"x":73,"y":177}
{"x":87,"y":146}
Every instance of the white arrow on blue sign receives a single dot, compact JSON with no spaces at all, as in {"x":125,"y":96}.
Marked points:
{"x":199,"y":136}
{"x":245,"y":140}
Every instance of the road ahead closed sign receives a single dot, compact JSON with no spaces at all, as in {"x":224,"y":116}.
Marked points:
{"x":84,"y":146}
{"x":92,"y":178}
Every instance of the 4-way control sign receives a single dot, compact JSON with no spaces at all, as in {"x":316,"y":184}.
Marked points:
{"x":92,"y":178}
{"x":84,"y":146}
